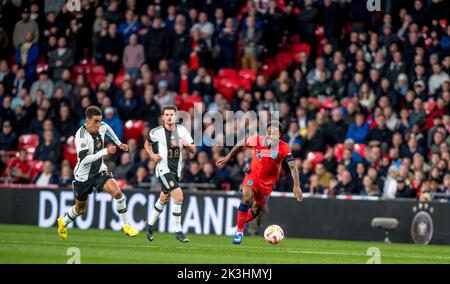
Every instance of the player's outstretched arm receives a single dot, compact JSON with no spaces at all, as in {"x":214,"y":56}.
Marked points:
{"x":223,"y":161}
{"x":295,"y":176}
{"x":110,"y":132}
{"x":86,"y":159}
{"x":148,"y":148}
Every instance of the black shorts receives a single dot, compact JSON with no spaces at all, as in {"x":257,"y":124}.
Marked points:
{"x":82,"y":189}
{"x":169,"y":182}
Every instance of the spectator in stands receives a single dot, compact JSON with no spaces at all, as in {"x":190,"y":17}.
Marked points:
{"x":226,"y":42}
{"x":165,"y":74}
{"x":109,"y":50}
{"x":307,"y":23}
{"x":359,"y":130}
{"x":27,"y":55}
{"x":123,"y":170}
{"x":403,"y":190}
{"x":346,"y":185}
{"x":315,"y":139}
{"x":128,"y":105}
{"x":49,"y":148}
{"x":66,"y":179}
{"x":210,"y":176}
{"x":164,"y":96}
{"x":45,"y":84}
{"x":194,"y":174}
{"x":19,"y":170}
{"x":60,"y":59}
{"x":155,"y":43}
{"x":46,"y":177}
{"x":205,"y":27}
{"x":25,"y":26}
{"x":113,"y":120}
{"x":7,"y":114}
{"x":323,"y":175}
{"x":140,"y":177}
{"x":129,"y":27}
{"x":8,"y":139}
{"x":133,"y":56}
{"x":250,"y":39}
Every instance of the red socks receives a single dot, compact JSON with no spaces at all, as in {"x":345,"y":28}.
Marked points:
{"x":244,"y":215}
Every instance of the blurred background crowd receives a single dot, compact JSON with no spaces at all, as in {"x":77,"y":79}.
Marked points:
{"x":363,"y":95}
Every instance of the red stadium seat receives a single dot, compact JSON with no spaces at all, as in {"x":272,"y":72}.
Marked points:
{"x":119,"y":78}
{"x":248,"y":74}
{"x":29,"y":142}
{"x":227,"y":87}
{"x":228,"y":73}
{"x":314,"y":157}
{"x":98,"y":70}
{"x":301,"y":47}
{"x":245,"y":83}
{"x":133,"y":129}
{"x":284,"y":57}
{"x":359,"y":148}
{"x":339,"y":152}
{"x":36,"y":167}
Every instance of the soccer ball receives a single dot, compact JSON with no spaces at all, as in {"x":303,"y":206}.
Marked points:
{"x":273,"y":234}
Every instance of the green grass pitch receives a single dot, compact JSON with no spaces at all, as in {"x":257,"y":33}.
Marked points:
{"x":29,"y":244}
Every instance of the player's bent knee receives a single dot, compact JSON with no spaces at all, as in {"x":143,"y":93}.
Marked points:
{"x":177,"y":195}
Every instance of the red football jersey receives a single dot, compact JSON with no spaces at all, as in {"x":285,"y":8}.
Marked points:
{"x":266,"y":161}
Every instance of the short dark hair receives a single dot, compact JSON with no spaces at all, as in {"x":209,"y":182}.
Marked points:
{"x":275,"y":123}
{"x":169,"y":107}
{"x":93,"y":111}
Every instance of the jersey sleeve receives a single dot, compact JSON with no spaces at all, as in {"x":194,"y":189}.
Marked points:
{"x":152,"y":137}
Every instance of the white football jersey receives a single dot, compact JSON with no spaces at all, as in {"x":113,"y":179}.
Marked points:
{"x":90,"y":151}
{"x":169,"y":148}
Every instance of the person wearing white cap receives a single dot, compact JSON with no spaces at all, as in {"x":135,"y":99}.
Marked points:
{"x":164,"y":96}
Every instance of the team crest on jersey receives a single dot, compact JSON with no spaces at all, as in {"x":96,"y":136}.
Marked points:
{"x":274,"y":154}
{"x":171,"y":183}
{"x":173,"y":142}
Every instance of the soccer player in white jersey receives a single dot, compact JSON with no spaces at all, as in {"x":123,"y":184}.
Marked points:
{"x":91,"y":172}
{"x":164,"y":146}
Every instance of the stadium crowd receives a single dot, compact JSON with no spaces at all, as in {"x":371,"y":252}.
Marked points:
{"x":364,"y":101}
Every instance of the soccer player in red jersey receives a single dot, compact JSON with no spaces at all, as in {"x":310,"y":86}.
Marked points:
{"x":261,"y":176}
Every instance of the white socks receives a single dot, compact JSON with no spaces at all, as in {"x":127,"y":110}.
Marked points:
{"x":121,"y":206}
{"x":157,"y":210}
{"x":70,"y":216}
{"x":176,"y":212}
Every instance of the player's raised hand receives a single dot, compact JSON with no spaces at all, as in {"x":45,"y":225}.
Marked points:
{"x":111,"y":150}
{"x":123,"y":147}
{"x":298,"y":193}
{"x":221,"y":162}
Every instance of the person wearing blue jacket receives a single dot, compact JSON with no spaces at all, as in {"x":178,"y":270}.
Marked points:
{"x":359,"y":130}
{"x":27,"y":56}
{"x":114,"y":122}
